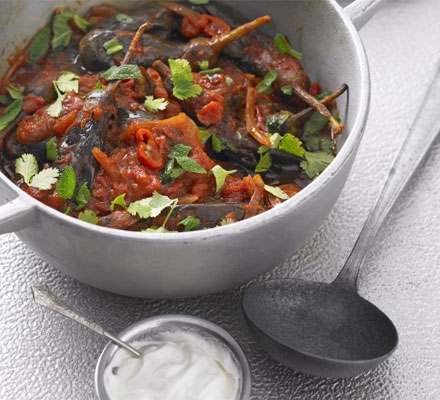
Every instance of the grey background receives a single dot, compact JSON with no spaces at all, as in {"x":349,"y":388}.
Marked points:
{"x":45,"y":357}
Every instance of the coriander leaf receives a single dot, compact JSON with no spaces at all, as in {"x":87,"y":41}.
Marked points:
{"x":183,"y":86}
{"x":190,"y":223}
{"x":83,"y":196}
{"x":68,"y":210}
{"x":211,"y":71}
{"x":155,"y":229}
{"x":180,"y":153}
{"x":317,"y":142}
{"x":287,"y":89}
{"x":82,"y":23}
{"x":226,"y":221}
{"x":315,"y":162}
{"x":61,"y":30}
{"x":67,"y":183}
{"x":284,"y":47}
{"x":275,"y":139}
{"x":264,"y":164}
{"x":265,"y":86}
{"x":199,"y":1}
{"x":26,"y":166}
{"x":316,"y":123}
{"x":127,"y":71}
{"x":154,"y":105}
{"x":4,"y":100}
{"x":274,"y":122}
{"x":54,"y":110}
{"x":88,"y":216}
{"x":151,"y":206}
{"x":126,"y":19}
{"x":10,"y":112}
{"x":229,"y":81}
{"x":203,"y":64}
{"x":205,"y":134}
{"x":112,"y":47}
{"x":15,"y":91}
{"x":292,"y":145}
{"x":220,"y":175}
{"x":45,"y":178}
{"x":118,"y":201}
{"x":39,"y":45}
{"x":98,"y":86}
{"x":276,"y":191}
{"x":67,"y":82}
{"x":51,"y":149}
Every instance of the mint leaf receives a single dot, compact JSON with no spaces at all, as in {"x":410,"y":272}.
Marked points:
{"x":220,"y":175}
{"x":127,"y":71}
{"x":180,"y":153}
{"x":51,"y":149}
{"x":26,"y":166}
{"x":39,"y":45}
{"x":205,"y":134}
{"x":315,"y":162}
{"x":292,"y":145}
{"x":183,"y":86}
{"x":81,"y":23}
{"x":61,"y":30}
{"x":10,"y":113}
{"x":120,"y":201}
{"x":82,"y":197}
{"x":284,"y":47}
{"x":45,"y":178}
{"x":265,"y":86}
{"x":265,"y":163}
{"x":276,"y":191}
{"x":4,"y":100}
{"x":88,"y":216}
{"x":67,"y":183}
{"x":15,"y":91}
{"x":190,"y":223}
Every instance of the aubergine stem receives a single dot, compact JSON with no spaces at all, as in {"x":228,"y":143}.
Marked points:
{"x":220,"y":42}
{"x":299,"y":118}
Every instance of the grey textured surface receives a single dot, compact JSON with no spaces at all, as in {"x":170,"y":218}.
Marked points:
{"x":45,"y":357}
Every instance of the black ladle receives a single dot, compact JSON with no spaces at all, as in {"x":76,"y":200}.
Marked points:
{"x":326,"y":329}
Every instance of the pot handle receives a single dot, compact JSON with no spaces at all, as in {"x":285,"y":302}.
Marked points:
{"x":16,"y":215}
{"x":361,"y":11}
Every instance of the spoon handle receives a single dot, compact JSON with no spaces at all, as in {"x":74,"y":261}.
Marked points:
{"x":419,"y":140}
{"x":44,"y":297}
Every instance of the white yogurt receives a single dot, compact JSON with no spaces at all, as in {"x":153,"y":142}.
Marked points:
{"x":175,"y":365}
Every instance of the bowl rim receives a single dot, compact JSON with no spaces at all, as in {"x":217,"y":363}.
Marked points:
{"x":259,"y":220}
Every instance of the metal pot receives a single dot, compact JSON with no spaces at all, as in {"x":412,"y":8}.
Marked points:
{"x":201,"y":262}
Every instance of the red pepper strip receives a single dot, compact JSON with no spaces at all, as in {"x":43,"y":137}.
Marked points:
{"x":251,"y":124}
{"x":149,"y":153}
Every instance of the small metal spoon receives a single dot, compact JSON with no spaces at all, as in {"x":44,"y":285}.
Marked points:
{"x":326,"y":329}
{"x":44,"y":297}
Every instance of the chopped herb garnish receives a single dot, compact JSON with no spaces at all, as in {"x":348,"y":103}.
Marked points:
{"x":51,"y":149}
{"x":5,"y":100}
{"x":183,"y":86}
{"x":68,"y":210}
{"x":82,"y":23}
{"x":265,"y":163}
{"x":112,"y":47}
{"x":15,"y":91}
{"x":284,"y":47}
{"x":292,"y":145}
{"x":67,"y":184}
{"x":39,"y":45}
{"x":276,"y":191}
{"x":127,"y":71}
{"x":62,"y":33}
{"x":83,"y":196}
{"x":316,"y":123}
{"x":211,"y":71}
{"x":274,"y":122}
{"x":45,"y":178}
{"x":287,"y":89}
{"x":67,"y":82}
{"x":180,"y":154}
{"x":199,"y":1}
{"x":205,"y":134}
{"x":98,"y":86}
{"x":220,"y":143}
{"x":27,"y":167}
{"x":156,"y":229}
{"x":190,"y":223}
{"x":265,"y":86}
{"x":10,"y":113}
{"x":220,"y":175}
{"x":126,"y":19}
{"x":226,"y":221}
{"x":229,"y":81}
{"x":154,"y":105}
{"x":315,"y":162}
{"x":203,"y":64}
{"x":151,"y":207}
{"x":88,"y":216}
{"x":119,"y":201}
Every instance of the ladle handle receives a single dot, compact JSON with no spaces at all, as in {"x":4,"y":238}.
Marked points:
{"x":44,"y":297}
{"x":419,"y":140}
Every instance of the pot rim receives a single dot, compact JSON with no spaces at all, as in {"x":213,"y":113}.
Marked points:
{"x":259,"y":220}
